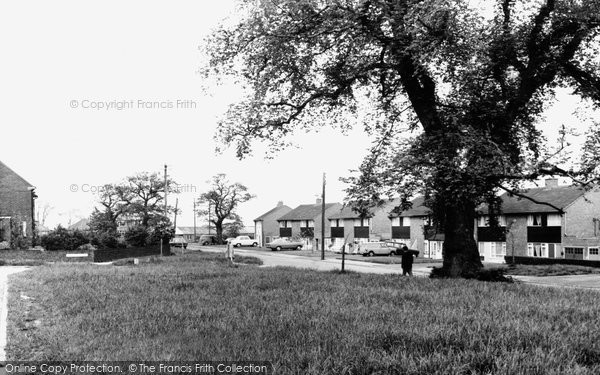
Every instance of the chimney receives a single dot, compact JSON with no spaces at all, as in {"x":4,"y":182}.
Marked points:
{"x":551,"y":182}
{"x":319,"y":201}
{"x":280,"y":203}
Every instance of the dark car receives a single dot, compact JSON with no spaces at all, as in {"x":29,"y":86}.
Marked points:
{"x":207,"y":239}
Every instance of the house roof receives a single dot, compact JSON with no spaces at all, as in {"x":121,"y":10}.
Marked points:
{"x":417,"y":209}
{"x":283,"y":208}
{"x":346,"y":212}
{"x":80,"y":225}
{"x":561,"y":197}
{"x":306,"y":211}
{"x":5,"y":169}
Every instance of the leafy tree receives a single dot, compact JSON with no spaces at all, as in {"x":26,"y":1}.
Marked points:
{"x":143,"y":195}
{"x":233,"y":229}
{"x":222,"y":199}
{"x":453,"y":97}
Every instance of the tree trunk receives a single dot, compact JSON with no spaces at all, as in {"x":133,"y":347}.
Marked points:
{"x":219,"y":229}
{"x":460,"y":253}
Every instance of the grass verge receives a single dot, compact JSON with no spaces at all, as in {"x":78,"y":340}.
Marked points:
{"x":197,"y":307}
{"x":550,"y":270}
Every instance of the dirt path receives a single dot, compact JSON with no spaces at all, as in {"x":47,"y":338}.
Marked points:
{"x":5,"y":271}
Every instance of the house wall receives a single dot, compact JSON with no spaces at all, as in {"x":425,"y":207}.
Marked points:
{"x":516,"y":238}
{"x":15,"y":198}
{"x":269,"y":224}
{"x":380,"y":224}
{"x":579,"y":217}
{"x":417,"y":226}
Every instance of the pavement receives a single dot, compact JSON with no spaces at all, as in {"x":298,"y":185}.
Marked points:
{"x":5,"y":271}
{"x":275,"y":259}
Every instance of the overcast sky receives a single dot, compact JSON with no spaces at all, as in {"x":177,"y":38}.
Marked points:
{"x":62,"y":58}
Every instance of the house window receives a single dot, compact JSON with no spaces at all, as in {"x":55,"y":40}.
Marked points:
{"x":484,"y":221}
{"x":537,"y":249}
{"x":283,"y":224}
{"x":24,"y":226}
{"x":593,"y":250}
{"x":554,"y":220}
{"x":308,"y":223}
{"x":337,"y":223}
{"x":395,"y":221}
{"x":362,"y":222}
{"x":499,"y":249}
{"x":405,"y":221}
{"x":537,"y":220}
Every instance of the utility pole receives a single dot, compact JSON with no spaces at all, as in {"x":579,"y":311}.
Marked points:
{"x":208,"y":217}
{"x":162,"y":245}
{"x":195,"y":220}
{"x":323,"y":220}
{"x":175,"y":218}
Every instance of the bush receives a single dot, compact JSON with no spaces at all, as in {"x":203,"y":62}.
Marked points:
{"x":136,"y":236}
{"x":63,"y":239}
{"x":484,"y":274}
{"x":107,"y":240}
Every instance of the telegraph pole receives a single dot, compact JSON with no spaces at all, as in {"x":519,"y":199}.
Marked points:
{"x":162,"y":245}
{"x":323,"y":220}
{"x":194,"y":220}
{"x":208,"y":217}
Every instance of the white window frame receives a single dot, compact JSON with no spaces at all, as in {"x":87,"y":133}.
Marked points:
{"x":596,"y":248}
{"x":405,"y":221}
{"x":530,"y":220}
{"x":396,"y":221}
{"x":553,"y":220}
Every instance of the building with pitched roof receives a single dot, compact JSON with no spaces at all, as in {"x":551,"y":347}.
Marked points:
{"x":413,"y":227}
{"x":304,"y":222}
{"x":17,"y":205}
{"x":349,"y":227}
{"x":556,"y":222}
{"x":266,"y":227}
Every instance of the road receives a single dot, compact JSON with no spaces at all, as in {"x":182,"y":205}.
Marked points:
{"x":275,"y":259}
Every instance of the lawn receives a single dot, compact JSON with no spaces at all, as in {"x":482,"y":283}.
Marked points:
{"x":198,"y":307}
{"x":549,"y":270}
{"x":36,"y":257}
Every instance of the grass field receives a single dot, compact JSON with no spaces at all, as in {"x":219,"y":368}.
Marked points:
{"x":197,"y":307}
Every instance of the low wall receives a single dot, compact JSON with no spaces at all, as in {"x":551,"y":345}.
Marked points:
{"x":546,"y":261}
{"x":107,"y":255}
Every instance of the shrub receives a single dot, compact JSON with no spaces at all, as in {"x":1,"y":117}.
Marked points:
{"x":485,"y":274}
{"x":63,"y":239}
{"x":137,"y":236}
{"x":107,"y":240}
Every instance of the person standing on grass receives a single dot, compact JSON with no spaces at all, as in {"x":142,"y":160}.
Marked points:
{"x":407,"y":261}
{"x":229,"y":252}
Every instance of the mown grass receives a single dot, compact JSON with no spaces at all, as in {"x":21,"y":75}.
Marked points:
{"x":550,"y":270}
{"x":36,"y":257}
{"x":394,"y":259}
{"x":198,"y":307}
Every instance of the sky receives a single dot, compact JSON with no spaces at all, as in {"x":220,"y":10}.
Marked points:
{"x":95,"y":91}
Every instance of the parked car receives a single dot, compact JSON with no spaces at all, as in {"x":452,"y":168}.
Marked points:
{"x":207,"y":239}
{"x":284,"y":243}
{"x":375,"y":248}
{"x":178,"y":242}
{"x":243,"y":241}
{"x":397,"y":246}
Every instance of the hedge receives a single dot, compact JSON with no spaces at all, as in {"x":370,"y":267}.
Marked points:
{"x":545,"y":261}
{"x":107,"y":255}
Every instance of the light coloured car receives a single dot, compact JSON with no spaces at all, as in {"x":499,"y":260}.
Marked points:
{"x":243,"y":241}
{"x":178,"y":242}
{"x":284,"y":243}
{"x":375,"y":248}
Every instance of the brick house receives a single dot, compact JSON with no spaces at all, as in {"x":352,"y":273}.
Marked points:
{"x":413,"y":227}
{"x":570,"y":229}
{"x":266,"y":227}
{"x":347,"y":226}
{"x":304,"y":222}
{"x":17,"y":205}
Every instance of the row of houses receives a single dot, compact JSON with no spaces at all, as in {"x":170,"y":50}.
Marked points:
{"x":564,"y":223}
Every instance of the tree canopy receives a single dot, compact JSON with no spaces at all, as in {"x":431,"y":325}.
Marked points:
{"x":221,"y":201}
{"x":453,"y":94}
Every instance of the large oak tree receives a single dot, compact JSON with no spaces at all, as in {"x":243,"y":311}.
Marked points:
{"x":454,"y":96}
